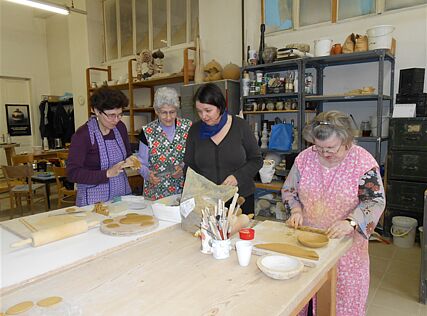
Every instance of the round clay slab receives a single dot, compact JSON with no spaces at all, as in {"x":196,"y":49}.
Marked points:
{"x":107,"y":221}
{"x":19,"y":308}
{"x":49,"y":301}
{"x":136,"y":219}
{"x":312,"y":240}
{"x":128,"y":225}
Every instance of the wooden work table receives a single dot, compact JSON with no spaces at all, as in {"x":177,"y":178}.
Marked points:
{"x":164,"y":273}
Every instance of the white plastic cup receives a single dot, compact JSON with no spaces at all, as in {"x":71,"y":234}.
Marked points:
{"x":221,"y":248}
{"x":244,"y":252}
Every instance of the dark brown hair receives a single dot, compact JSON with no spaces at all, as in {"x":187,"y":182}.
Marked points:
{"x":106,"y":98}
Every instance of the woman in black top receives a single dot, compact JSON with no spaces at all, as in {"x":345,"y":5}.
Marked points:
{"x":222,"y":147}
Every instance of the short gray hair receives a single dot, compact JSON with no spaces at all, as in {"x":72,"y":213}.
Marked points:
{"x":326,"y":124}
{"x":166,"y":96}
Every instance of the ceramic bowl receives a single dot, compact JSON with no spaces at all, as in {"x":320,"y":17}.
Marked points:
{"x":312,"y":240}
{"x":280,"y":267}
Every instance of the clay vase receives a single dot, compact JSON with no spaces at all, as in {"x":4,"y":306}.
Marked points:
{"x":336,"y":49}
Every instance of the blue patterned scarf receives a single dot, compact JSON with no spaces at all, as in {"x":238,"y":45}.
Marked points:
{"x":207,"y":131}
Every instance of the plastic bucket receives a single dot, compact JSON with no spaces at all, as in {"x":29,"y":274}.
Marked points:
{"x":322,"y":47}
{"x":403,"y":231}
{"x":380,"y":36}
{"x":384,"y":125}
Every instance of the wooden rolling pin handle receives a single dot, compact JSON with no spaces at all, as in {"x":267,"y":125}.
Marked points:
{"x":21,"y":243}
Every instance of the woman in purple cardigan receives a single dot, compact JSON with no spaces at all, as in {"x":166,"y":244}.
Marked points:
{"x":99,"y":151}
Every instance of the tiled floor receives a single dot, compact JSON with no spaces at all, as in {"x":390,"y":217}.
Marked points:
{"x":395,"y":275}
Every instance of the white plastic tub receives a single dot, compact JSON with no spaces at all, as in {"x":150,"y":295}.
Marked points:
{"x":403,"y":231}
{"x":380,"y":36}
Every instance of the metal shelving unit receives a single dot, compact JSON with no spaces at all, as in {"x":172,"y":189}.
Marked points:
{"x":379,"y":56}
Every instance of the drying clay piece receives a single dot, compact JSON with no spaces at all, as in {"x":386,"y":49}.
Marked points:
{"x":71,"y":210}
{"x":49,"y":301}
{"x":136,"y":219}
{"x":147,"y":223}
{"x":19,"y":308}
{"x":107,"y":221}
{"x":114,"y":225}
{"x":128,"y":225}
{"x":132,"y":214}
{"x":100,"y":209}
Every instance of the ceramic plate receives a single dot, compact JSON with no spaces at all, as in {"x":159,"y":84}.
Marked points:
{"x":280,"y":267}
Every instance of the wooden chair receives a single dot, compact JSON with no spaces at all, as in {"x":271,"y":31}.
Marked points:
{"x":28,"y":189}
{"x":64,"y":195}
{"x":22,"y":159}
{"x":63,"y":157}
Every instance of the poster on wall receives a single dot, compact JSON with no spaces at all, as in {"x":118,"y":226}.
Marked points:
{"x":18,"y":119}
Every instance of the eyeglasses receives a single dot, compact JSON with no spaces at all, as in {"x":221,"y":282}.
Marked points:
{"x":166,"y":113}
{"x":112,"y":117}
{"x":326,"y":150}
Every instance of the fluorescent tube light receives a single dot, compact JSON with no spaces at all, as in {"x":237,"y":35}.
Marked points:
{"x":43,"y":5}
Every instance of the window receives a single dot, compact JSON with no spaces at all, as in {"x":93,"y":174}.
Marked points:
{"x":133,"y":25}
{"x":314,"y":12}
{"x":278,"y":15}
{"x":353,"y":8}
{"x":399,"y":4}
{"x":282,"y":15}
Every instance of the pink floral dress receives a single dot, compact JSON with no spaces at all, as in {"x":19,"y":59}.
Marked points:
{"x":353,"y":189}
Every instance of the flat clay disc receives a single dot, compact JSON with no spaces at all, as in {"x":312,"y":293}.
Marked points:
{"x":107,"y":221}
{"x":129,"y":225}
{"x":19,"y":308}
{"x":49,"y":301}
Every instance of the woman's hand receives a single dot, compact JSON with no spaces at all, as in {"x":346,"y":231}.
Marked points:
{"x":115,"y":170}
{"x":230,"y":180}
{"x":153,"y":179}
{"x":339,"y":229}
{"x":178,"y":172}
{"x":295,"y":220}
{"x":128,"y":162}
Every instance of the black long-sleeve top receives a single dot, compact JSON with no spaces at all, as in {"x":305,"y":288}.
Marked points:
{"x":238,"y":154}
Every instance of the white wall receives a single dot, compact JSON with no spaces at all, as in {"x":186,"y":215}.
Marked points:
{"x":58,"y":54}
{"x":24,"y":55}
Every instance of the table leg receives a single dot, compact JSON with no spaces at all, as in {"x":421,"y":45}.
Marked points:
{"x":48,"y":194}
{"x":326,"y":296}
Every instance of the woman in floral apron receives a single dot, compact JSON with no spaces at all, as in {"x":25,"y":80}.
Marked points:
{"x":99,"y":150}
{"x":162,"y":147}
{"x":336,"y":185}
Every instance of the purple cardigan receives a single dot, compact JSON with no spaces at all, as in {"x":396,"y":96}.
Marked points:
{"x":83,"y":164}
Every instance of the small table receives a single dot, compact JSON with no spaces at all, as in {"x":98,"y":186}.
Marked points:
{"x":10,"y":151}
{"x":49,"y":154}
{"x":47,"y":180}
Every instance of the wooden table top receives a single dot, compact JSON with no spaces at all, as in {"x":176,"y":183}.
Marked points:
{"x":166,"y":274}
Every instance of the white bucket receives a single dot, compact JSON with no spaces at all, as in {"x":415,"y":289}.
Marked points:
{"x":322,"y":47}
{"x":380,"y":36}
{"x":403,"y":231}
{"x":384,"y":125}
{"x":421,"y":234}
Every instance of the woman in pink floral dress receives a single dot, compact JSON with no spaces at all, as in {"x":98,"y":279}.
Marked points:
{"x":336,"y":185}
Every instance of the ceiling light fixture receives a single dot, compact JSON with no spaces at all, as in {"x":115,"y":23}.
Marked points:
{"x":48,"y":6}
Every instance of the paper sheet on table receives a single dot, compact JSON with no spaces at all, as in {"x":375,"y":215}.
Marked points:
{"x":205,"y":194}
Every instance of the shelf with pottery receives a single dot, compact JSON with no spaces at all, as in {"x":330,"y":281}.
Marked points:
{"x":344,"y":97}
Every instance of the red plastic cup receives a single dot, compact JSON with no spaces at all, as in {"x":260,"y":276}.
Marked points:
{"x":247,"y":233}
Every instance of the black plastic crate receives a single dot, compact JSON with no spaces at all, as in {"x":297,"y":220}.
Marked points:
{"x":411,"y":81}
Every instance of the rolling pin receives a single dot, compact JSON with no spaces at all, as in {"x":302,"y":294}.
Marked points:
{"x":46,"y":236}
